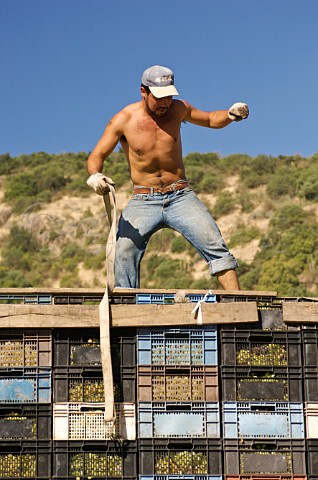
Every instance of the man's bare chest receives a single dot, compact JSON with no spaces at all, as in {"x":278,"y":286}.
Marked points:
{"x":146,"y":131}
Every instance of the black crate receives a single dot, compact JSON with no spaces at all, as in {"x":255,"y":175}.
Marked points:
{"x":310,"y":363}
{"x":260,"y":348}
{"x":312,"y":459}
{"x":77,"y":375}
{"x":25,"y":459}
{"x":25,"y":421}
{"x":264,"y":457}
{"x":98,"y":460}
{"x":262,"y":384}
{"x":271,"y":317}
{"x":180,"y":457}
{"x":25,"y":348}
{"x":81,"y":347}
{"x":74,"y":384}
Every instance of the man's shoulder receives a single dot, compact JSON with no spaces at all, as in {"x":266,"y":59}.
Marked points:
{"x":180,"y":105}
{"x":128,"y":111}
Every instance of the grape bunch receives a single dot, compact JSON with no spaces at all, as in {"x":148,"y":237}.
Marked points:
{"x":182,"y":463}
{"x":16,"y":465}
{"x":95,"y":465}
{"x":263,"y":354}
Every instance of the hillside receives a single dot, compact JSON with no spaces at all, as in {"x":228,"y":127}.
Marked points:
{"x":53,"y":229}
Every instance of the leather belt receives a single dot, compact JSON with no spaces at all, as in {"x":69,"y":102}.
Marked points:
{"x":168,"y":188}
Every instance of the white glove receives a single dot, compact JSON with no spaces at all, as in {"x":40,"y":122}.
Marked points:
{"x":100,"y":183}
{"x":238,"y":111}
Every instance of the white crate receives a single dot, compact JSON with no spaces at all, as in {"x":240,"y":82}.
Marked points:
{"x":85,"y":421}
{"x":311,"y":416}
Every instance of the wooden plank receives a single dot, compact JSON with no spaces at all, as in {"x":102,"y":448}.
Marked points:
{"x":300,"y":312}
{"x":48,"y":290}
{"x":128,"y":291}
{"x":68,"y":316}
{"x":223,"y":293}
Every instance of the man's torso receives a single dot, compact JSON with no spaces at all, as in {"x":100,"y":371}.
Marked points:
{"x":153,"y":145}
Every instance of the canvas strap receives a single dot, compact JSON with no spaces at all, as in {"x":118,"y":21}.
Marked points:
{"x":104,"y":309}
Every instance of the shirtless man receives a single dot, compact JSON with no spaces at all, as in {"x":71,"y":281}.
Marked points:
{"x":149,"y":133}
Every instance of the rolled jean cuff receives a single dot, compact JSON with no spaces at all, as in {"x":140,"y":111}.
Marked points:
{"x":226,"y":263}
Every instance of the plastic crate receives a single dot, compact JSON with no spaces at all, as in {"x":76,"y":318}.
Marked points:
{"x":81,"y":347}
{"x":261,"y":348}
{"x":263,"y":477}
{"x":25,"y":385}
{"x":169,"y":298}
{"x":180,"y":458}
{"x":25,"y":460}
{"x":262,"y":384}
{"x":266,"y":457}
{"x":178,"y":419}
{"x":177,"y":346}
{"x":74,"y":384}
{"x":311,"y":420}
{"x":110,"y":459}
{"x":38,"y":299}
{"x":25,"y":348}
{"x":312,"y":459}
{"x":310,"y":363}
{"x":85,"y":421}
{"x":25,"y":421}
{"x":157,"y":383}
{"x":180,"y":477}
{"x":263,"y":420}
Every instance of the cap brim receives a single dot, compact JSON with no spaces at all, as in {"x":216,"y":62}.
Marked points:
{"x":160,"y":92}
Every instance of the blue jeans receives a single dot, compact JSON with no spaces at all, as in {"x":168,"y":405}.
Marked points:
{"x":182,"y":211}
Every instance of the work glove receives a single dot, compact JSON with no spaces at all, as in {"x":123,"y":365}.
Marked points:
{"x":100,"y":183}
{"x":238,"y":111}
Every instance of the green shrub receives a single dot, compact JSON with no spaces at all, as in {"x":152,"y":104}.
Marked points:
{"x":281,"y":184}
{"x":244,"y":235}
{"x":224,"y":204}
{"x":179,"y":245}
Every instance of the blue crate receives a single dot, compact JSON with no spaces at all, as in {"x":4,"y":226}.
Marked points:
{"x":263,"y":420}
{"x":26,"y":299}
{"x":194,"y":298}
{"x":154,"y":298}
{"x":177,"y":346}
{"x":178,"y":419}
{"x":180,"y":477}
{"x":25,"y":385}
{"x":168,"y":298}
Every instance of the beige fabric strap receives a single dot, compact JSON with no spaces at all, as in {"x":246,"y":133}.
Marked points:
{"x":197,"y":309}
{"x":104,"y":310}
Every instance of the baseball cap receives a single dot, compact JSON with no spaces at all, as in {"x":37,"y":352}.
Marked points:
{"x":160,"y":81}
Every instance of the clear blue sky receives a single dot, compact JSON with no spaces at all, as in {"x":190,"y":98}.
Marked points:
{"x":67,"y":66}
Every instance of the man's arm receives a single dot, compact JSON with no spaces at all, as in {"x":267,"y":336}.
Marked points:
{"x":217,"y":118}
{"x":113,"y":132}
{"x":106,"y":144}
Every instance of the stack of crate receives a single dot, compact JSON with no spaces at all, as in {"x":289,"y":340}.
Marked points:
{"x":192,"y":403}
{"x":262,"y":404}
{"x":84,"y":445}
{"x":310,"y":382}
{"x":178,"y":409}
{"x":25,"y":403}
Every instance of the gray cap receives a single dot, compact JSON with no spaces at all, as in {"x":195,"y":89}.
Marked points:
{"x":160,"y":81}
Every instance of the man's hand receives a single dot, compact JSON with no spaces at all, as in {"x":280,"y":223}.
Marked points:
{"x":100,"y":183}
{"x":238,"y":112}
